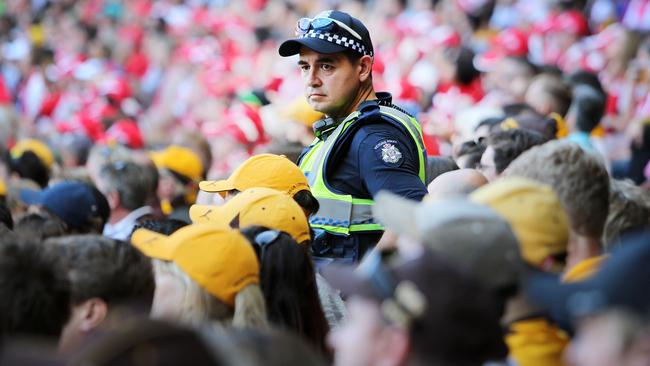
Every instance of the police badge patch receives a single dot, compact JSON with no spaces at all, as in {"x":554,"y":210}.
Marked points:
{"x":388,"y":151}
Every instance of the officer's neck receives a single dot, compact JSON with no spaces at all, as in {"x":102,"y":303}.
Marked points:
{"x":365,"y":93}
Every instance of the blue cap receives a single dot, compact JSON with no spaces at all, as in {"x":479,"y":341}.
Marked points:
{"x":73,"y":202}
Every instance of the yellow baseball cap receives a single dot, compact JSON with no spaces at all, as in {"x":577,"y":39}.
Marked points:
{"x":40,"y":149}
{"x":180,"y":160}
{"x":300,"y":111}
{"x":263,"y":170}
{"x":534,"y":212}
{"x":258,"y":207}
{"x":218,"y":258}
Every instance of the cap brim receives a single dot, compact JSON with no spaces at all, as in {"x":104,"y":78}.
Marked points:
{"x":31,"y":196}
{"x":153,"y":245}
{"x":396,"y":213}
{"x":345,"y":279}
{"x":217,"y":186}
{"x":207,"y":214}
{"x":292,"y":46}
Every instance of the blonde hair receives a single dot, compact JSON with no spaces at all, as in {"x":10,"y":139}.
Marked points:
{"x":199,"y":306}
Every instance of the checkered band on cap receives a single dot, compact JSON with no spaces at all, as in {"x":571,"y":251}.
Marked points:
{"x":348,"y":42}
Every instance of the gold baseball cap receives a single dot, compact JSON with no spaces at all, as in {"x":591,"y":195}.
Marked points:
{"x":263,"y":170}
{"x":534,"y":212}
{"x":217,"y":257}
{"x":257,"y":207}
{"x":180,"y":160}
{"x":40,"y":149}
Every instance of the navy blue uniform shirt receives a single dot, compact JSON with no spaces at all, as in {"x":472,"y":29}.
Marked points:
{"x":377,"y":155}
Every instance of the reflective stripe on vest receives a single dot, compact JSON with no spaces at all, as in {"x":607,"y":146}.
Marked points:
{"x":342,"y":213}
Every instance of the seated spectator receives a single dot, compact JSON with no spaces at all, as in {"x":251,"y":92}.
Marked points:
{"x":180,"y":170}
{"x":581,"y":181}
{"x":629,"y":211}
{"x":585,"y":113}
{"x":469,"y":155}
{"x":82,"y":207}
{"x":503,"y":147}
{"x":288,"y":281}
{"x":258,"y":207}
{"x":460,"y":182}
{"x":127,"y":190}
{"x":35,"y":291}
{"x":268,"y":171}
{"x":205,"y":274}
{"x":399,"y":315}
{"x":549,"y":94}
{"x":105,"y":274}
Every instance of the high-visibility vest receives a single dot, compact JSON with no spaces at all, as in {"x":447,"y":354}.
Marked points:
{"x":342,"y":213}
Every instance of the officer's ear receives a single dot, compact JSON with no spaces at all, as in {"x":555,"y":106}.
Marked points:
{"x":365,"y":68}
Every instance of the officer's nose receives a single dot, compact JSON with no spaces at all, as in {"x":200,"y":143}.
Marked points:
{"x":312,"y":79}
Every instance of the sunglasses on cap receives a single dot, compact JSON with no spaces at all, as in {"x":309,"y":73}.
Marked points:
{"x":323,"y":24}
{"x":265,"y":239}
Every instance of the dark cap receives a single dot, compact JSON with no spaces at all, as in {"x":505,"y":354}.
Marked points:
{"x":437,"y":303}
{"x":73,"y":202}
{"x":621,"y":283}
{"x":338,"y":37}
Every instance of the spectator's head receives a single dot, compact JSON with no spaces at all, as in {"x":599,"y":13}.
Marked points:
{"x":587,"y":109}
{"x":396,"y":312}
{"x":268,"y":171}
{"x":549,"y":93}
{"x":32,"y":159}
{"x":40,"y":226}
{"x":80,"y":206}
{"x":503,"y":147}
{"x":511,"y":77}
{"x":34,"y":290}
{"x":469,"y":154}
{"x":74,"y":150}
{"x":124,"y":186}
{"x":336,"y":57}
{"x":471,"y":236}
{"x":258,"y":207}
{"x":105,"y":274}
{"x":629,"y":210}
{"x":437,"y":165}
{"x":204,"y":272}
{"x":460,"y":182}
{"x":180,"y":170}
{"x":581,"y":181}
{"x":288,"y":282}
{"x":5,"y":216}
{"x":535,"y":214}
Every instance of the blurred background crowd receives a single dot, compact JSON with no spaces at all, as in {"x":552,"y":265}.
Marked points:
{"x":118,"y":115}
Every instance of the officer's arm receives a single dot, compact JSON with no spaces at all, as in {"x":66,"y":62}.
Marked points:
{"x":387,"y":161}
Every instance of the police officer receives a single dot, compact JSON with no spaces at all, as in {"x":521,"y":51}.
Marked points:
{"x":365,"y":145}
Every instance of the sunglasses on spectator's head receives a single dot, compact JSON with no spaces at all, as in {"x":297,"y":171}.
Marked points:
{"x":323,"y":24}
{"x":264,"y":239}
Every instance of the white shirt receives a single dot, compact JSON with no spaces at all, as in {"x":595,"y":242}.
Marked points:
{"x":122,"y":229}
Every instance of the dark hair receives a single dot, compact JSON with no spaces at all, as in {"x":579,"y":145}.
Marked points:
{"x":473,"y":151}
{"x":307,"y":201}
{"x":35,"y":292}
{"x":40,"y":226}
{"x":437,"y":165}
{"x":585,"y":78}
{"x":354,"y":57}
{"x":491,"y":123}
{"x":109,"y":269}
{"x":288,"y":281}
{"x":29,"y":166}
{"x":5,"y":216}
{"x":515,"y":109}
{"x":129,"y":181}
{"x":466,"y":73}
{"x":165,"y":226}
{"x":588,"y":106}
{"x":509,"y":144}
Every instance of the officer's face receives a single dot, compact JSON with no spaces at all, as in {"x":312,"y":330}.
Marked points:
{"x":331,"y":81}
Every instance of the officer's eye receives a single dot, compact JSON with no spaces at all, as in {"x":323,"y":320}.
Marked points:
{"x":326,"y":67}
{"x":304,"y":67}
